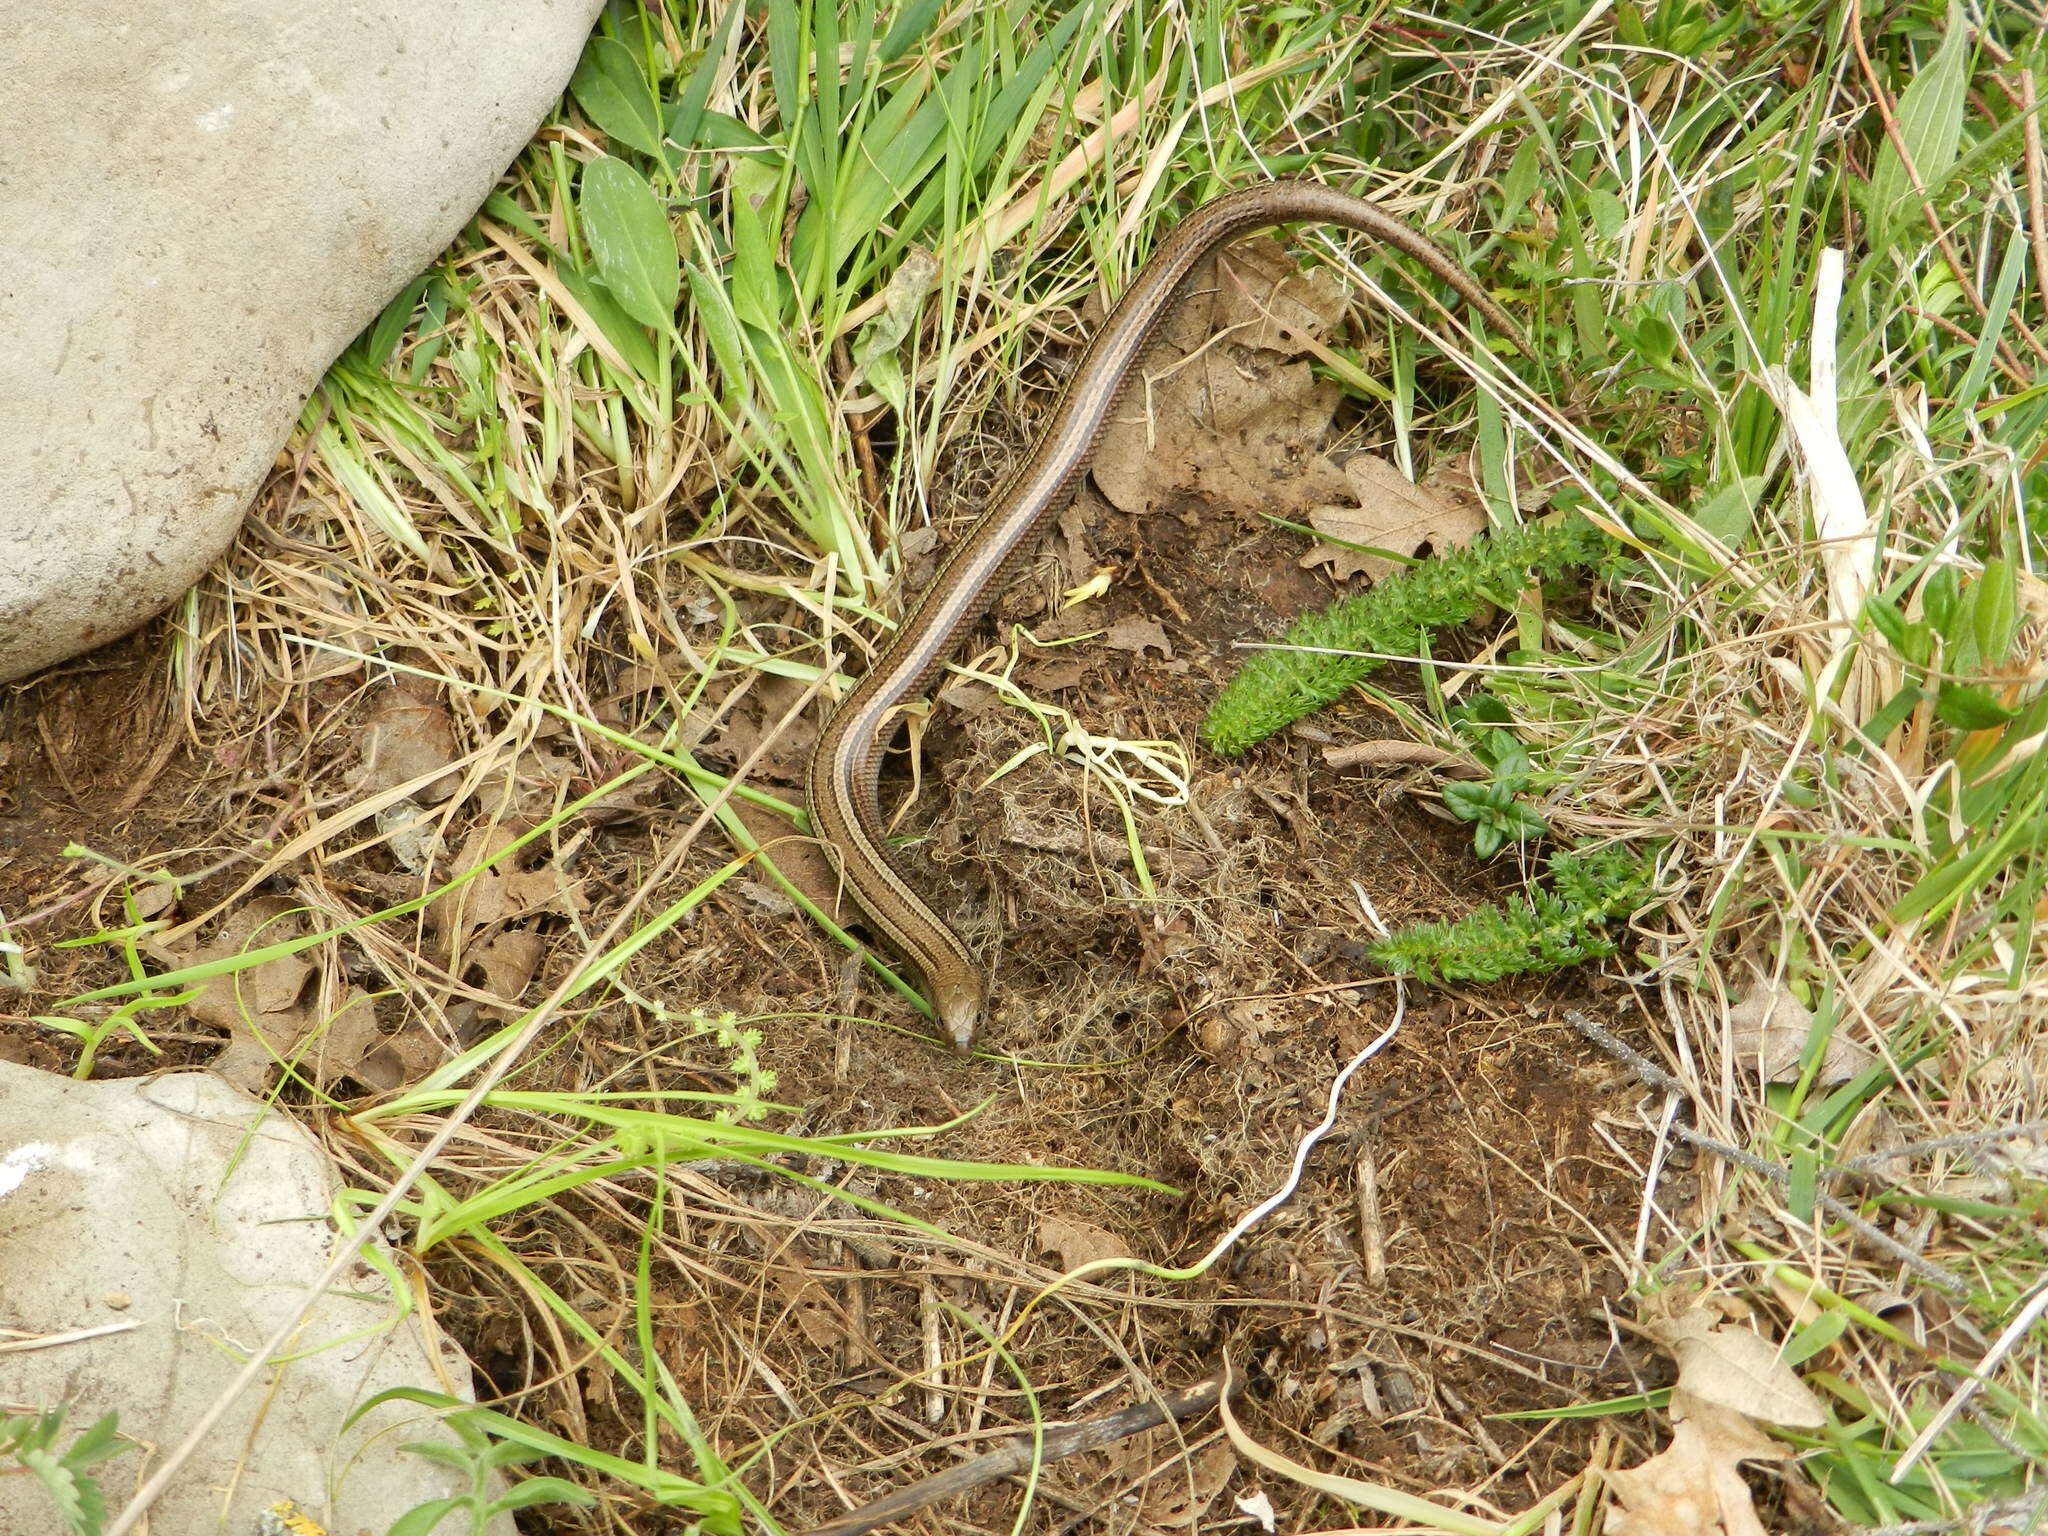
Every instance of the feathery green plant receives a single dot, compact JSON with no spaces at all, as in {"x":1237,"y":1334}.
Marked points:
{"x":1533,"y":933}
{"x":1277,"y":687}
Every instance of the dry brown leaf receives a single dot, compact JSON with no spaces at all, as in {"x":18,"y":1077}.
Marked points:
{"x":322,"y":1047}
{"x":339,"y":1040}
{"x":1052,"y":673}
{"x":1265,"y":301}
{"x":1734,"y":1367}
{"x":151,"y":900}
{"x":637,"y":801}
{"x":1078,"y":1242}
{"x":802,"y":861}
{"x":1769,"y":1029}
{"x":968,"y":697}
{"x":407,"y":734}
{"x":1388,"y":511}
{"x":1135,"y":634}
{"x":400,"y":1060}
{"x":1229,"y":421}
{"x":1729,"y":1378}
{"x":1077,"y":521}
{"x":508,"y":960}
{"x":810,"y":1304}
{"x":272,"y":986}
{"x":258,"y":1006}
{"x":1257,"y":1016}
{"x":503,"y":893}
{"x":645,"y":677}
{"x":1694,"y":1486}
{"x":2033,"y":595}
{"x":1183,"y":1495}
{"x":746,"y":732}
{"x":409,"y":836}
{"x":1456,"y":475}
{"x":271,"y":1011}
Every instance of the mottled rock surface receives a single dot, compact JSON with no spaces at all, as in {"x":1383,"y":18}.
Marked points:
{"x":200,"y":207}
{"x":192,"y":1219}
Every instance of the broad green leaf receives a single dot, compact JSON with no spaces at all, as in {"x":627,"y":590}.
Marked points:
{"x":1654,"y":339}
{"x":627,"y":335}
{"x":1995,"y":613}
{"x":77,"y":1498}
{"x":613,"y":93}
{"x":1892,"y":714}
{"x":874,"y":352}
{"x":752,"y":274}
{"x":102,"y":1442}
{"x":721,"y":130}
{"x":1995,"y":327}
{"x":1970,"y":709}
{"x":439,"y":1452}
{"x":503,"y":210}
{"x":1608,"y":212}
{"x":1939,"y":595}
{"x":711,"y":308}
{"x":1730,"y":511}
{"x":1519,"y":185}
{"x":1930,"y":117}
{"x":630,"y":235}
{"x":381,"y":339}
{"x":905,"y":162}
{"x":502,"y":1455}
{"x":1815,"y":1337}
{"x":789,"y":71}
{"x":1017,"y":93}
{"x":823,"y":119}
{"x":543,"y":1490}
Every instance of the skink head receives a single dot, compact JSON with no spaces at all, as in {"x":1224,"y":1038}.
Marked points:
{"x":960,"y":1009}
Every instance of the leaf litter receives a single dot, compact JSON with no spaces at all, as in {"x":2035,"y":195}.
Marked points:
{"x":290,"y":1008}
{"x":1731,"y":1381}
{"x":1389,"y":512}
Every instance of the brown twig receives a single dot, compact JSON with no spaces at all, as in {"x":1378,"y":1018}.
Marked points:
{"x":1059,"y":1440}
{"x":2037,"y":173}
{"x":2020,"y":379}
{"x":2025,"y":100}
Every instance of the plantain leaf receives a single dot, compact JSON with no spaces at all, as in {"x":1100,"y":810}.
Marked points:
{"x":1930,"y":115}
{"x":632,"y":239}
{"x":613,"y":93}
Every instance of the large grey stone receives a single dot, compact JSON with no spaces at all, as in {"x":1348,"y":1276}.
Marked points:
{"x":199,"y":206}
{"x":186,"y":1209}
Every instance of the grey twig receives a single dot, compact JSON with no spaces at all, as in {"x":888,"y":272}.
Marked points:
{"x":1015,"y":1456}
{"x":1656,"y":1077}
